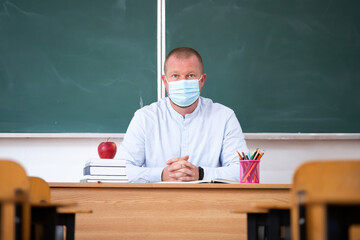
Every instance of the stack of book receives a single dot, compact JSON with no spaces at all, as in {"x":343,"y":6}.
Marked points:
{"x":105,"y":170}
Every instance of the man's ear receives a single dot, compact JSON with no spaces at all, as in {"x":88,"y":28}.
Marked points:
{"x":202,"y":81}
{"x":164,"y":79}
{"x":203,"y":78}
{"x":165,"y":83}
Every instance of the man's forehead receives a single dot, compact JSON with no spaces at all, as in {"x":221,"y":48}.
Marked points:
{"x":181,"y":62}
{"x":182,"y":58}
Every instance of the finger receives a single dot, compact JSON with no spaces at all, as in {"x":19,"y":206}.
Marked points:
{"x":187,"y":164}
{"x":187,"y":171}
{"x":187,"y":178}
{"x":181,"y":165}
{"x":185,"y":157}
{"x":177,"y":174}
{"x":174,"y":180}
{"x":177,"y":165}
{"x":171,"y":161}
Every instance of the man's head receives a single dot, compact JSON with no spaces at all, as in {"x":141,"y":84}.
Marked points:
{"x":184,"y":77}
{"x":184,"y":53}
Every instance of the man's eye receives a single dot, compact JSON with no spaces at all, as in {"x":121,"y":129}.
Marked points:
{"x":174,"y":75}
{"x":191,"y":75}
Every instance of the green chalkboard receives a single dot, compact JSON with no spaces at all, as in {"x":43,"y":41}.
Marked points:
{"x":76,"y":65}
{"x":282,"y":66}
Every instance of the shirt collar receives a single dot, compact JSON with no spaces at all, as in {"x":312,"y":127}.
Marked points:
{"x":178,"y":115}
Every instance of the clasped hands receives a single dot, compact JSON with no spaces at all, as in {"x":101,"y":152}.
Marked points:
{"x":180,"y":170}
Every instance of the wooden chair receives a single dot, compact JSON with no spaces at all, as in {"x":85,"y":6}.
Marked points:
{"x":324,"y":194}
{"x":14,"y":209}
{"x":43,"y":213}
{"x":39,"y":191}
{"x":40,"y":200}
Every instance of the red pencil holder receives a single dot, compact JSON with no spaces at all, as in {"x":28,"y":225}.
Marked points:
{"x":249,"y":171}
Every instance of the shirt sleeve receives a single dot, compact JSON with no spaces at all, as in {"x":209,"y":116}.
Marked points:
{"x":132,"y":149}
{"x":233,"y":140}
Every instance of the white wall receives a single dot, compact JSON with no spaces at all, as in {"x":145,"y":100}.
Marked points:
{"x":61,"y":159}
{"x":284,"y":156}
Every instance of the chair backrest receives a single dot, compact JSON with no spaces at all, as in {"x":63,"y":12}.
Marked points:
{"x":14,"y":182}
{"x":39,"y":190}
{"x":14,"y":186}
{"x":323,"y":181}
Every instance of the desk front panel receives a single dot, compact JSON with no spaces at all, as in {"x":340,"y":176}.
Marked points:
{"x":164,"y":211}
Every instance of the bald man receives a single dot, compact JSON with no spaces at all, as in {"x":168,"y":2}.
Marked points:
{"x":183,"y":137}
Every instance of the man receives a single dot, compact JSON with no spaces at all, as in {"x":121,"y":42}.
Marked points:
{"x":183,"y":137}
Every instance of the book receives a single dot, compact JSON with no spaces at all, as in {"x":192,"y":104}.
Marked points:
{"x":104,"y":180}
{"x":106,"y":162}
{"x":99,"y":170}
{"x":105,"y":177}
{"x":216,"y":180}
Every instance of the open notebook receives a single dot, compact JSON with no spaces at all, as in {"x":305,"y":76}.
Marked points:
{"x":217,"y":180}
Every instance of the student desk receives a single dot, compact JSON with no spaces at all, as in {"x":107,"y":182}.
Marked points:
{"x":165,"y":210}
{"x":274,"y":218}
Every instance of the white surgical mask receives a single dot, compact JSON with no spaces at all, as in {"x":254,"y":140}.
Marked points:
{"x":184,"y":92}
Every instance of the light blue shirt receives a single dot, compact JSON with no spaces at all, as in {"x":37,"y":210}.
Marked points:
{"x":210,"y":136}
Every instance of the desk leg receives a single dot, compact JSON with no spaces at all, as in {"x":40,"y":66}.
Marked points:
{"x":46,"y":217}
{"x":68,"y":219}
{"x":273,"y":222}
{"x":254,"y":221}
{"x":285,"y":221}
{"x":276,"y":220}
{"x":339,"y":219}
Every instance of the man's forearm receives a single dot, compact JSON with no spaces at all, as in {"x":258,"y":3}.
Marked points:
{"x":143,"y":174}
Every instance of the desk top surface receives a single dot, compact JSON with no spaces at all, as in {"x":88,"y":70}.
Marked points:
{"x":169,"y":185}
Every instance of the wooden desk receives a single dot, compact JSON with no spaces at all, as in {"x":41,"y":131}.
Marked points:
{"x":164,"y":210}
{"x":45,"y":218}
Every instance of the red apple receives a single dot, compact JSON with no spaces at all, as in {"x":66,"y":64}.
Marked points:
{"x":107,"y":150}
